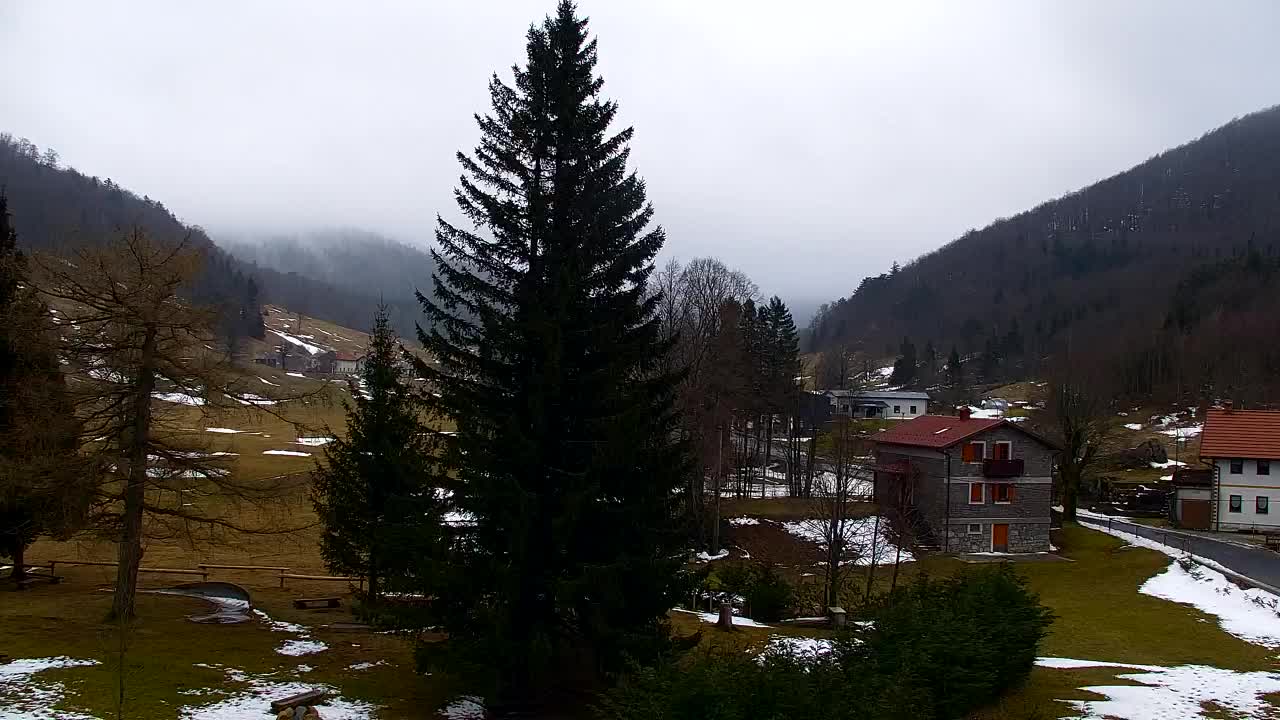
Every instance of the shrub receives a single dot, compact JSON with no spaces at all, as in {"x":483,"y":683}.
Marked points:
{"x":769,"y":596}
{"x":933,"y":649}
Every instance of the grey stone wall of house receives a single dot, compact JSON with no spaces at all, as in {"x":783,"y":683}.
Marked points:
{"x":1024,"y":537}
{"x":1027,"y":515}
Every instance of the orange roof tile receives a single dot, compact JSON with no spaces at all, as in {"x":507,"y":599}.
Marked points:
{"x":1241,"y":434}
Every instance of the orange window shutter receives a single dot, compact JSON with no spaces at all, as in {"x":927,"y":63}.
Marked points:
{"x":967,"y":453}
{"x":1013,"y":493}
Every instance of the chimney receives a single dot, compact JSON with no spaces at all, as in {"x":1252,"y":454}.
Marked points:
{"x":1227,"y":406}
{"x":964,"y":412}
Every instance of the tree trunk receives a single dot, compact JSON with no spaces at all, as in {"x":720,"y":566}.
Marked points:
{"x":19,"y":562}
{"x":871,"y":569}
{"x":768,"y":448}
{"x":130,"y":554}
{"x":897,"y":563}
{"x":1070,"y":493}
{"x":715,"y":501}
{"x":808,"y":473}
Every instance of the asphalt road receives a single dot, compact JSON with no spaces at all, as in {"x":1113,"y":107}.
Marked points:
{"x":1249,"y":560}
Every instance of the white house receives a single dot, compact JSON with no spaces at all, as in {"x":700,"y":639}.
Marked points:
{"x":1243,"y":448}
{"x":878,"y":404}
{"x":345,"y":363}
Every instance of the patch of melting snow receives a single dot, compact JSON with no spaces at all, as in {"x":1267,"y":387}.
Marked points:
{"x":704,"y":556}
{"x":1167,"y":464}
{"x":268,"y":382}
{"x":291,"y":453}
{"x":250,"y":702}
{"x":366,"y":665}
{"x":295,"y":648}
{"x":295,"y":341}
{"x":1252,"y":615}
{"x":294,"y":374}
{"x":314,"y":441}
{"x":179,"y":398}
{"x":467,"y":707}
{"x":226,"y":431}
{"x":1133,"y":426}
{"x":713,"y":618}
{"x":744,"y":521}
{"x":789,"y":645}
{"x":304,"y":668}
{"x":1173,"y":692}
{"x":859,"y":534}
{"x":23,"y":697}
{"x":304,"y":644}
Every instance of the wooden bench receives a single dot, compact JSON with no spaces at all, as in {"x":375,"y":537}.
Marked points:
{"x":341,"y":578}
{"x":309,"y":697}
{"x":312,"y":603}
{"x":273,"y":568}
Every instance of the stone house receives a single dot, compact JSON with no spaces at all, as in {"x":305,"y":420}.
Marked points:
{"x":967,"y":484}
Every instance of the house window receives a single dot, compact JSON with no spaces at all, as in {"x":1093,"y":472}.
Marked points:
{"x":1003,"y":450}
{"x":1001,"y":493}
{"x":1233,"y":503}
{"x":976,"y":496}
{"x":1237,"y":466}
{"x":973,"y":452}
{"x":1264,"y":467}
{"x":1261,"y":504}
{"x":897,"y":409}
{"x":913,"y":409}
{"x":974,"y":529}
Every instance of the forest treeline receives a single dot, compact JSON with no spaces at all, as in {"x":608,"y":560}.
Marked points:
{"x":1164,"y":274}
{"x":57,"y":207}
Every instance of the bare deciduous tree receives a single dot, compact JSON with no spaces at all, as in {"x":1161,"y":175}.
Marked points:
{"x":139,"y":358}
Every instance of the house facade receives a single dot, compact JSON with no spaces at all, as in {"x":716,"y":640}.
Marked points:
{"x":345,"y":363}
{"x":878,"y":404}
{"x":1242,"y":448}
{"x":967,"y":484}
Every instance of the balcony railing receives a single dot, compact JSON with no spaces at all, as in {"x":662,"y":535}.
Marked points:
{"x":1002,"y":468}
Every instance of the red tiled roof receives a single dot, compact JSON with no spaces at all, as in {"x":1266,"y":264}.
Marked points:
{"x":935,"y":431}
{"x":1241,"y":434}
{"x":349,"y":357}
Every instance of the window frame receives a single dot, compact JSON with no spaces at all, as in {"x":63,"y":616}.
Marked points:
{"x":995,"y":494}
{"x":982,"y":493}
{"x":997,"y":444}
{"x":1262,"y":467}
{"x":1235,"y":466}
{"x":1261,"y":505}
{"x":913,"y":409}
{"x":973,"y":529}
{"x":982,"y":455}
{"x":897,"y":409}
{"x":1235,"y":503}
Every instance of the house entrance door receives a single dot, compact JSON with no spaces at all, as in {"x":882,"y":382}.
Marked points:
{"x":999,"y":538}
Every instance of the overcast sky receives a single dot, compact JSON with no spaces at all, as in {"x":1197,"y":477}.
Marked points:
{"x":806,"y":143}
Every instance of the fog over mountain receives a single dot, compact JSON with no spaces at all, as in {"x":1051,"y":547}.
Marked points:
{"x":809,"y":147}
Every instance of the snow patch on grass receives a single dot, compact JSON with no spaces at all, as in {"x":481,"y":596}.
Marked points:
{"x":314,"y":350}
{"x":704,"y":556}
{"x":859,"y":534}
{"x":22,"y":697}
{"x":714,"y":618}
{"x":314,"y":441}
{"x":1173,"y":692}
{"x":467,"y":707}
{"x":251,"y":702}
{"x":1133,"y":426}
{"x":744,"y":521}
{"x":290,"y":453}
{"x":295,"y":648}
{"x":179,"y":398}
{"x":789,"y":645}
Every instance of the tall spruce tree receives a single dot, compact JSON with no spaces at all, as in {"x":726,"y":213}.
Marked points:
{"x":45,"y":485}
{"x":376,"y":492}
{"x":549,"y":362}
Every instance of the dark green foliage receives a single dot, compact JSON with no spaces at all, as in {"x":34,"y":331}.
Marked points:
{"x":904,"y":368}
{"x":376,"y":493}
{"x":549,"y":362}
{"x":935,"y":649}
{"x":767,"y":594}
{"x":45,"y":488}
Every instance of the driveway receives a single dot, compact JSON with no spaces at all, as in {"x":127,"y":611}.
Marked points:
{"x":1236,"y":555}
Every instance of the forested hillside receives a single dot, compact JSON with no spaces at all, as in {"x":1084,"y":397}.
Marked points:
{"x":1164,"y":274}
{"x":55,"y":206}
{"x":360,"y":266}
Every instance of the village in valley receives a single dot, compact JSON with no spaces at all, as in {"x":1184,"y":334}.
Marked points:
{"x":551,"y":465}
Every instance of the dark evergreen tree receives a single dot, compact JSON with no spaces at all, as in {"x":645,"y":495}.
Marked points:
{"x":376,"y":493}
{"x":45,"y":488}
{"x":904,"y":368}
{"x":955,"y":367}
{"x":549,"y":357}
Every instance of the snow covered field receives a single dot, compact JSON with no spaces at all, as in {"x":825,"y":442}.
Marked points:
{"x":859,"y":535}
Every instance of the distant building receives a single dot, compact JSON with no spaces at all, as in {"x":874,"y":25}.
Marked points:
{"x":878,"y":404}
{"x":345,"y":363}
{"x":1243,"y":448}
{"x":322,"y":362}
{"x":967,"y":484}
{"x":268,"y":359}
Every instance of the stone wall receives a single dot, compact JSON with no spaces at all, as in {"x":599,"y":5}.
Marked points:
{"x":1024,"y":537}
